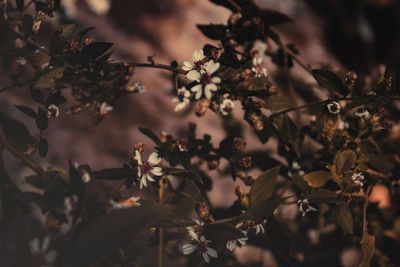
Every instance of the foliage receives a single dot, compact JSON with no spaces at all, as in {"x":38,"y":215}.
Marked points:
{"x":330,"y":163}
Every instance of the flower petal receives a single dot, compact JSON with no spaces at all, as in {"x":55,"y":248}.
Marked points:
{"x":34,"y":245}
{"x":211,"y":66}
{"x":212,"y":252}
{"x":187,"y":65}
{"x":154,"y":159}
{"x":216,"y":79}
{"x":180,"y":106}
{"x":206,"y":258}
{"x":157,"y":171}
{"x":138,"y":157}
{"x":150,"y":178}
{"x":188,"y":248}
{"x":143,"y":182}
{"x":45,"y":243}
{"x":198,"y":55}
{"x":193,"y":75}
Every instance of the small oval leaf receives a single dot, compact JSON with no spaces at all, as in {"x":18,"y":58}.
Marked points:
{"x":317,"y":179}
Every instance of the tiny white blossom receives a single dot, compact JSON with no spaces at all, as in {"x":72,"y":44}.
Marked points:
{"x":40,"y":253}
{"x":85,"y":176}
{"x":191,"y":230}
{"x":258,"y":67}
{"x":296,"y":168}
{"x":182,"y":98}
{"x":21,"y":60}
{"x":232,"y":244}
{"x":207,"y":82}
{"x":105,"y":108}
{"x":226,"y":107}
{"x":198,"y":62}
{"x":333,"y":107}
{"x":200,"y":244}
{"x":362,"y":113}
{"x":147,"y":168}
{"x":140,"y":88}
{"x":358,"y":179}
{"x":127,"y":203}
{"x":53,"y":111}
{"x":260,"y":228}
{"x":304,"y":206}
{"x":70,"y":204}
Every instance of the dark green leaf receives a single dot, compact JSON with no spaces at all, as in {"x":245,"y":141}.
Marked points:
{"x":61,"y":36}
{"x":261,"y":210}
{"x":16,"y":133}
{"x":323,"y":196}
{"x":93,"y":51}
{"x":221,"y":232}
{"x":368,"y":249}
{"x":50,"y":78}
{"x":37,"y":95}
{"x":273,"y":17}
{"x":105,"y":235}
{"x":263,"y":187}
{"x":28,"y":111}
{"x":212,"y":31}
{"x":43,"y":147}
{"x":330,"y":81}
{"x":77,"y":186}
{"x":343,"y":217}
{"x":345,"y":160}
{"x":38,"y":181}
{"x":279,"y":102}
{"x":27,"y":23}
{"x":150,"y":135}
{"x":42,"y":122}
{"x":317,"y":179}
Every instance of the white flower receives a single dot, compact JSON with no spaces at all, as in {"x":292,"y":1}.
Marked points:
{"x":140,"y":88}
{"x":226,"y":107}
{"x":198,"y":62}
{"x":100,"y":7}
{"x":258,"y":67}
{"x":232,"y":244}
{"x":333,"y":107}
{"x":41,"y":256}
{"x":296,"y":168}
{"x":192,"y":231}
{"x":362,"y":113}
{"x":358,"y":179}
{"x":70,"y":204}
{"x":127,"y":203}
{"x":304,"y":207}
{"x":201,"y":246}
{"x":85,"y":176}
{"x":21,"y":60}
{"x":260,"y":228}
{"x":105,"y":108}
{"x":53,"y":111}
{"x":341,"y":125}
{"x":182,"y":98}
{"x":206,"y":80}
{"x":147,"y":168}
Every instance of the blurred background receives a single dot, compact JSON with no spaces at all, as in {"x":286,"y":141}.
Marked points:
{"x":358,"y":35}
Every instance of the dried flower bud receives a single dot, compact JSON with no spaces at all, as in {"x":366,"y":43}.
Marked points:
{"x":256,"y":121}
{"x":164,"y":137}
{"x":202,"y":210}
{"x":234,"y":18}
{"x":202,"y":107}
{"x":239,"y":143}
{"x":351,"y":78}
{"x":212,"y":165}
{"x":182,"y":144}
{"x":245,"y":162}
{"x":139,"y":147}
{"x":244,"y":201}
{"x":239,"y":191}
{"x":53,"y":111}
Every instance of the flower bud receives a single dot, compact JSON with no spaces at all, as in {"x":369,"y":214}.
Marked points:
{"x":351,"y":78}
{"x":245,"y":162}
{"x":202,"y":211}
{"x":139,"y":147}
{"x":256,"y":121}
{"x":202,"y":107}
{"x":239,"y":143}
{"x":212,"y":165}
{"x":239,"y":191}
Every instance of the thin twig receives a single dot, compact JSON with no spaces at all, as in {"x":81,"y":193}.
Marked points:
{"x":365,"y":208}
{"x":161,"y":230}
{"x":157,"y":66}
{"x":16,"y":153}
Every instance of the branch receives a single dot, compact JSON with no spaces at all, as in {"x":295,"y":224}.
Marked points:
{"x":160,"y":230}
{"x":157,"y":66}
{"x":16,"y":153}
{"x":365,"y":208}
